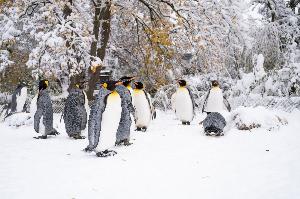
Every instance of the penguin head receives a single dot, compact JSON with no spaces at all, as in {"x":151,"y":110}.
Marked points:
{"x":139,"y":85}
{"x":111,"y":85}
{"x":182,"y":83}
{"x":126,"y":80}
{"x":43,"y":84}
{"x":215,"y":83}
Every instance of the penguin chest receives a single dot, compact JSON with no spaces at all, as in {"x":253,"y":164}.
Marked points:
{"x":42,"y":128}
{"x":110,"y":122}
{"x":184,"y":105}
{"x":142,"y":109}
{"x":21,"y":99}
{"x":215,"y":100}
{"x":33,"y":106}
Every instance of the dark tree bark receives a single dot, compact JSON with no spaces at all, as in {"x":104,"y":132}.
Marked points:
{"x":293,"y":4}
{"x":101,"y":19}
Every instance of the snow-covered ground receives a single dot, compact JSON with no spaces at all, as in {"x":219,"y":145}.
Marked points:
{"x":168,"y":161}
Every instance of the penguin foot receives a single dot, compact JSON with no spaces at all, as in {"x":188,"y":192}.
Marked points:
{"x":78,"y":137}
{"x":106,"y":153}
{"x":127,"y":143}
{"x":184,"y":123}
{"x":54,"y":132}
{"x":88,"y":150}
{"x":144,"y":129}
{"x":123,"y":142}
{"x":138,"y":129}
{"x":41,"y":137}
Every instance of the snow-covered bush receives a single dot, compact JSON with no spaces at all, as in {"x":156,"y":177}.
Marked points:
{"x":247,"y":118}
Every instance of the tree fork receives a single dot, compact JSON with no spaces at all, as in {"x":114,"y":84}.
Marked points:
{"x":102,"y":15}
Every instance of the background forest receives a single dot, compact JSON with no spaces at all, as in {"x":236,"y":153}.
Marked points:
{"x":251,"y":47}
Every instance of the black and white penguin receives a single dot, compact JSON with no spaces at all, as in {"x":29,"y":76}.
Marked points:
{"x":142,"y":105}
{"x":215,"y":101}
{"x":184,"y":103}
{"x":75,"y":115}
{"x":18,"y":100}
{"x":110,"y":120}
{"x":43,"y":117}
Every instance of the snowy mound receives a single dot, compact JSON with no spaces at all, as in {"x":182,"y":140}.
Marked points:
{"x":247,"y":118}
{"x":18,"y":119}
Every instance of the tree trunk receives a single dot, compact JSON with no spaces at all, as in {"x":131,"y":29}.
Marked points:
{"x":101,"y":19}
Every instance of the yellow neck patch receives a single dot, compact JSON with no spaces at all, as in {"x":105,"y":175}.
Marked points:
{"x":47,"y":83}
{"x":137,"y":90}
{"x":182,"y":88}
{"x":104,"y":85}
{"x":113,"y":96}
{"x":129,"y":87}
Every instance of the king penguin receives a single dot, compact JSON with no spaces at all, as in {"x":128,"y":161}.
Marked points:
{"x":184,"y":103}
{"x":215,"y":101}
{"x":18,"y":100}
{"x":109,"y":121}
{"x":142,"y":105}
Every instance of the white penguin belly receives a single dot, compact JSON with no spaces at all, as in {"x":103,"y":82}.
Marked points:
{"x":42,"y":128}
{"x":110,"y":122}
{"x":33,"y":106}
{"x":21,"y":99}
{"x":142,"y":109}
{"x":86,"y":105}
{"x":184,"y":105}
{"x":215,"y":101}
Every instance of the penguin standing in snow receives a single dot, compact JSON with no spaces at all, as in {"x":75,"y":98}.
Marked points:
{"x":19,"y":98}
{"x":75,"y":115}
{"x":43,"y":117}
{"x":142,"y":105}
{"x":214,"y":101}
{"x":104,"y":121}
{"x":184,"y":103}
{"x":123,"y":132}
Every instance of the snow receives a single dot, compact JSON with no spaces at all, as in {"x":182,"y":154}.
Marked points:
{"x":259,"y":68}
{"x":248,"y":117}
{"x":168,"y":161}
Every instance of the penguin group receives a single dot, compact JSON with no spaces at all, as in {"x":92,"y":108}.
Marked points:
{"x":183,"y":104}
{"x":109,"y":120}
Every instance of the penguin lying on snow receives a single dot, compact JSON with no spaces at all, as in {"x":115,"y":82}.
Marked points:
{"x":214,"y":101}
{"x":184,"y":104}
{"x":75,"y":115}
{"x":142,"y":105}
{"x":104,"y":121}
{"x":214,"y":124}
{"x":43,"y":118}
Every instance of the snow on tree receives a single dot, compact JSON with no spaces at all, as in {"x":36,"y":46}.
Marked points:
{"x":8,"y":34}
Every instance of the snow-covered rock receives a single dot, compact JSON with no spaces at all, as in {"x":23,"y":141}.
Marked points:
{"x":247,"y":118}
{"x":18,"y":119}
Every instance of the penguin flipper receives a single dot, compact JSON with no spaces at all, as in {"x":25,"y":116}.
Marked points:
{"x":192,"y":98}
{"x":205,"y":101}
